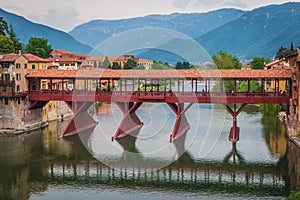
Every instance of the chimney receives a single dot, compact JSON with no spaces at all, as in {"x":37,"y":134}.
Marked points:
{"x":20,"y":52}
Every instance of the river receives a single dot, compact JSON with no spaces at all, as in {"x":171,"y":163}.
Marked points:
{"x":203,"y":164}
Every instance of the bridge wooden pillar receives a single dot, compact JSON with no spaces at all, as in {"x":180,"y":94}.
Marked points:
{"x":130,"y":121}
{"x":81,"y":120}
{"x":181,"y":125}
{"x":234,"y":135}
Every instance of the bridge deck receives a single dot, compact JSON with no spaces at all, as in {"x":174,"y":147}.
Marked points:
{"x":168,"y":97}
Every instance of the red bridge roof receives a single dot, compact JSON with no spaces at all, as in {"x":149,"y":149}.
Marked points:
{"x":117,"y":74}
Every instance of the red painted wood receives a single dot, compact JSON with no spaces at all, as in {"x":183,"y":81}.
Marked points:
{"x":81,"y":120}
{"x":130,"y":121}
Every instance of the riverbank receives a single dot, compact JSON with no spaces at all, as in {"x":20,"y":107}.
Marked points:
{"x":32,"y":126}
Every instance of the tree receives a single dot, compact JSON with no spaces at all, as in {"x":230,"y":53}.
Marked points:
{"x":130,"y":64}
{"x":160,"y":65}
{"x":258,"y":62}
{"x":16,"y":41}
{"x":6,"y":44}
{"x":182,"y":65}
{"x":226,"y":61}
{"x":140,"y":67}
{"x":106,"y":63}
{"x":115,"y":65}
{"x":292,"y":47}
{"x":38,"y":47}
{"x":3,"y":27}
{"x":284,"y":52}
{"x":254,"y":86}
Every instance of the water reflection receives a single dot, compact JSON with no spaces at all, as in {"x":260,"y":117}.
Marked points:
{"x":34,"y":163}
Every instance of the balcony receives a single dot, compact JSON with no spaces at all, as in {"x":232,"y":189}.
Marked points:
{"x":7,"y":83}
{"x":13,"y":95}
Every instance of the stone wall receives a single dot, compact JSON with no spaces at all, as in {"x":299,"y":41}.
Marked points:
{"x":17,"y":116}
{"x":294,"y":163}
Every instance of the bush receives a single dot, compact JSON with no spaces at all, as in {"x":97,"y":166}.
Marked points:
{"x":294,"y":196}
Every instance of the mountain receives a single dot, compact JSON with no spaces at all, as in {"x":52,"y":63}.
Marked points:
{"x":58,"y":39}
{"x":193,"y":25}
{"x":260,"y":32}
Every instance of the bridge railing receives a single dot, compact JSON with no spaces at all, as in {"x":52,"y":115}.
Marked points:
{"x":158,"y":94}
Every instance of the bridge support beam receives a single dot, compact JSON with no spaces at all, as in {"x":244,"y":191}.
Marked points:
{"x":234,"y":135}
{"x":80,"y":121}
{"x":130,"y":121}
{"x":181,"y":124}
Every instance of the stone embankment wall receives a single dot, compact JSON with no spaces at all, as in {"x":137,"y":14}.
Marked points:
{"x":294,"y":162}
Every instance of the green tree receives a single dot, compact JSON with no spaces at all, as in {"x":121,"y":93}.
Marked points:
{"x":38,"y":47}
{"x":160,"y":65}
{"x":6,"y":44}
{"x":182,"y":65}
{"x":226,"y":61}
{"x":115,"y":65}
{"x":140,"y":67}
{"x":254,"y":86}
{"x":16,"y":41}
{"x":106,"y":63}
{"x":284,"y":52}
{"x":258,"y":62}
{"x":3,"y":27}
{"x":130,"y":64}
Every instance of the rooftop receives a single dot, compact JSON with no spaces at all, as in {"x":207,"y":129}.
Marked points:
{"x":108,"y":73}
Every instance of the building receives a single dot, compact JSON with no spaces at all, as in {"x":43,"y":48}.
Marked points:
{"x":144,"y":62}
{"x":246,"y":67}
{"x":278,"y":64}
{"x":66,"y":60}
{"x":294,"y":117}
{"x":14,"y":108}
{"x":98,"y":62}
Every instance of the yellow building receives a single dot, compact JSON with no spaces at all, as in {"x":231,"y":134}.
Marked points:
{"x":278,"y":64}
{"x":37,"y":63}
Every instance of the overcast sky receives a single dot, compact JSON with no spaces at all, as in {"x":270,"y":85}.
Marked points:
{"x":66,"y":14}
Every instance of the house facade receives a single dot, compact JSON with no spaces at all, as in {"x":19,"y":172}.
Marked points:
{"x":14,"y":108}
{"x":65,"y":60}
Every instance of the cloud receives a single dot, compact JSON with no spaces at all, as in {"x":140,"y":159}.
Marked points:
{"x":64,"y":18}
{"x":223,"y":3}
{"x":181,"y":3}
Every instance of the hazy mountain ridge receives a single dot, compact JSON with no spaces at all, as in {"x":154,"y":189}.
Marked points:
{"x":58,"y":39}
{"x":259,"y":32}
{"x":193,"y":25}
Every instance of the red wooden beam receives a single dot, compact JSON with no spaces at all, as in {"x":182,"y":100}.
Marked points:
{"x":130,"y":121}
{"x":80,"y":121}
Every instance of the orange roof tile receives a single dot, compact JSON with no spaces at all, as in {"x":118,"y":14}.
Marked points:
{"x":142,"y":60}
{"x":9,"y":57}
{"x":34,"y":58}
{"x":108,"y":73}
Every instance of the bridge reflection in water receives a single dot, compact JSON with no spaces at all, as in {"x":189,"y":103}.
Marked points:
{"x":231,"y":175}
{"x":41,"y":162}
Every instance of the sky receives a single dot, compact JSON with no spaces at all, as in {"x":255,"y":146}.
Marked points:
{"x":66,"y":14}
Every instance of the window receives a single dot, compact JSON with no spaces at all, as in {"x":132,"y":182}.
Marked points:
{"x":18,"y":77}
{"x":33,"y":66}
{"x":18,"y":88}
{"x":5,"y":65}
{"x":18,"y":66}
{"x":19,"y":101}
{"x":6,"y":77}
{"x":25,"y":65}
{"x":6,"y":101}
